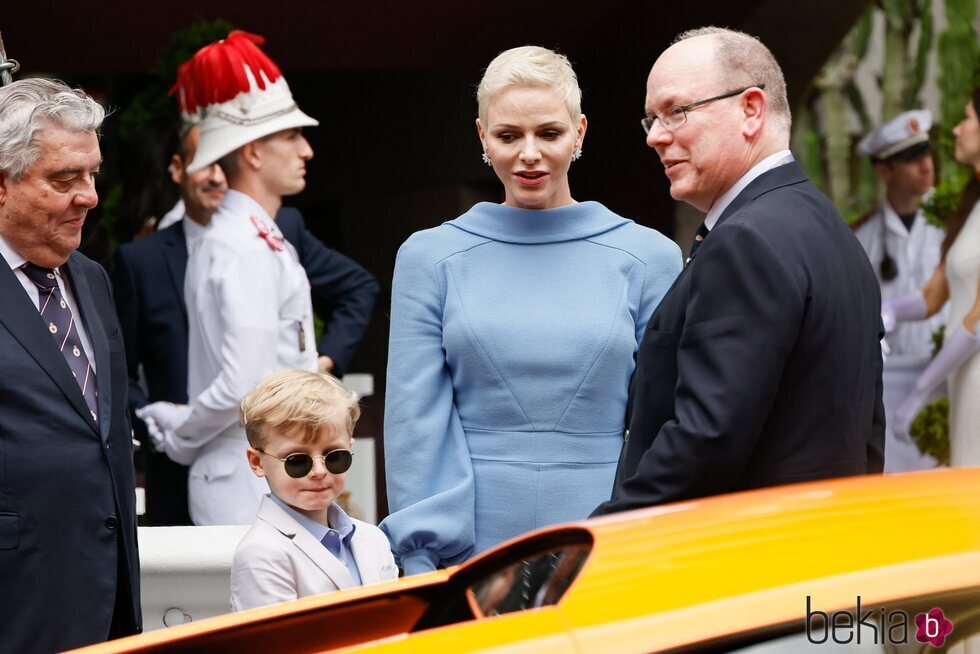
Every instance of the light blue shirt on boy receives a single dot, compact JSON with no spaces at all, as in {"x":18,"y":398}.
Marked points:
{"x":335,"y":538}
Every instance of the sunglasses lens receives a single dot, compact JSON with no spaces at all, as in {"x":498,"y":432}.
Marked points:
{"x":298,"y":466}
{"x":338,"y":461}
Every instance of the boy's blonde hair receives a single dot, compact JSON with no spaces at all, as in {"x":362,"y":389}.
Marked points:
{"x":296,"y":398}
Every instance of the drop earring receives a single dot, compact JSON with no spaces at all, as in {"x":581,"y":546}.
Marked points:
{"x":486,"y":159}
{"x":577,"y":154}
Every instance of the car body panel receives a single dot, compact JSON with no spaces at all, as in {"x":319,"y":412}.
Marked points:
{"x":664,"y":577}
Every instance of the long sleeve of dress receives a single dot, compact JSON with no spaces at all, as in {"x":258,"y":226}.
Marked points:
{"x":429,"y":472}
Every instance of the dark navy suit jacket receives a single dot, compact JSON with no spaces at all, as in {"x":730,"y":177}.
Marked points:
{"x":762,"y":364}
{"x":149,"y":289}
{"x":67,"y":508}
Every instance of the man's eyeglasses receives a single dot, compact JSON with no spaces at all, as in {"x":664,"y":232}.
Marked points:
{"x":299,"y":464}
{"x":676,"y":116}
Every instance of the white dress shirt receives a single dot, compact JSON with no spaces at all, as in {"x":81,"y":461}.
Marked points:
{"x":174,"y":215}
{"x":767,"y":164}
{"x":16,"y":262}
{"x":193,"y":233}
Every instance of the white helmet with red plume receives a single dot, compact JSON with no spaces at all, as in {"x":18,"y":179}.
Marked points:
{"x":235,"y":94}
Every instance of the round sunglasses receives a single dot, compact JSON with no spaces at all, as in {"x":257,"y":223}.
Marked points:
{"x":299,"y":464}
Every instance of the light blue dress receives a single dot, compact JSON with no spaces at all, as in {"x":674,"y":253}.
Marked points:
{"x":513,"y":340}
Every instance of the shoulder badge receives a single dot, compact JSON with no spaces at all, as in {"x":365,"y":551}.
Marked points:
{"x":274,"y":241}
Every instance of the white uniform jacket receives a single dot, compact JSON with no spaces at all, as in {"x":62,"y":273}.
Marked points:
{"x":916,"y":254}
{"x":249,"y":315}
{"x":280,"y":560}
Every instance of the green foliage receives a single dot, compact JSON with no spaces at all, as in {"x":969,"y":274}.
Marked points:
{"x":930,"y":430}
{"x":938,"y":338}
{"x":317,"y":328}
{"x":921,"y":59}
{"x":938,"y":208}
{"x":861,"y":34}
{"x":856,"y":100}
{"x":959,"y":73}
{"x":806,"y":143}
{"x":153,"y":101}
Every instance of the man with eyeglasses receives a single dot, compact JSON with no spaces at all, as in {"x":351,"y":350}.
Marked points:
{"x":762,"y":365}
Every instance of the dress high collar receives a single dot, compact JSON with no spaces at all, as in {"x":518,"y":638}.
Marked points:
{"x":513,"y":225}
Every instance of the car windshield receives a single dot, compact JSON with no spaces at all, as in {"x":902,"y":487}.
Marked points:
{"x":540,"y":580}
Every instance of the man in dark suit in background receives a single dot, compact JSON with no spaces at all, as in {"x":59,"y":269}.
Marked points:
{"x":762,"y":364}
{"x":69,"y":570}
{"x":149,"y":290}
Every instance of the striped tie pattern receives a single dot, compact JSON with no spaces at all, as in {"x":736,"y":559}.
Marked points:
{"x":61,"y":323}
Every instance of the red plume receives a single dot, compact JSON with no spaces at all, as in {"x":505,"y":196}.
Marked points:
{"x":216,"y":73}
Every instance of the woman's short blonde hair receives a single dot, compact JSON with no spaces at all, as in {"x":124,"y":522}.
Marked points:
{"x":530,"y":66}
{"x":296,"y":398}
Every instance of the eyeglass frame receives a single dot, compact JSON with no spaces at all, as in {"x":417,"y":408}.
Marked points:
{"x":684,"y":108}
{"x":312,"y":458}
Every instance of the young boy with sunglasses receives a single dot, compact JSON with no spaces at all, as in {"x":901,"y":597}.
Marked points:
{"x":299,"y":426}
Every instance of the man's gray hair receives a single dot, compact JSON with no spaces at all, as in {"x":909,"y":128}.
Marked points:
{"x":744,"y":60}
{"x":28,"y":106}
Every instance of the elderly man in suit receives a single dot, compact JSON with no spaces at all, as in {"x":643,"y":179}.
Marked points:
{"x":70,"y":570}
{"x":762,"y":365}
{"x":149,"y":290}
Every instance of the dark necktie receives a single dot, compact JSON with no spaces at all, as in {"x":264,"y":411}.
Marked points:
{"x":61,"y":323}
{"x":699,"y":237}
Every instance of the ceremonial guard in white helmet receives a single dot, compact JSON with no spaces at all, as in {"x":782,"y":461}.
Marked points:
{"x":248,"y":298}
{"x":904,"y":249}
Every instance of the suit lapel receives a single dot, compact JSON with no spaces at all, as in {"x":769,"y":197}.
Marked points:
{"x":175,"y":255}
{"x":97,"y":337}
{"x":784,"y":175}
{"x":367,"y":565}
{"x":23,"y":321}
{"x":304,"y":540}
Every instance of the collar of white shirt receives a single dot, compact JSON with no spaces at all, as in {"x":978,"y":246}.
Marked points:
{"x":770,"y":162}
{"x":236,"y":204}
{"x":11,"y":256}
{"x":192,"y":229}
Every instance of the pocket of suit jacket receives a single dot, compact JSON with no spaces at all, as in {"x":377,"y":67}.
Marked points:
{"x":9,"y":531}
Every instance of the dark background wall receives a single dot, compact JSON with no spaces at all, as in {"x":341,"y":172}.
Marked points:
{"x":393,"y":85}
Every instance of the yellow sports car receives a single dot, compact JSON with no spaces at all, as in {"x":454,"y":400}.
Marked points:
{"x":886,"y":564}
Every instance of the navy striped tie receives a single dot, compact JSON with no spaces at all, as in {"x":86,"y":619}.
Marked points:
{"x":61,"y":323}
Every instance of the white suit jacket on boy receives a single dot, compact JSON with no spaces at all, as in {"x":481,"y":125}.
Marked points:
{"x":280,"y":560}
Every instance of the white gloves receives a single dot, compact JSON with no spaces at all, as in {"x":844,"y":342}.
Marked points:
{"x":959,"y":347}
{"x":902,"y":309}
{"x":162,"y":420}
